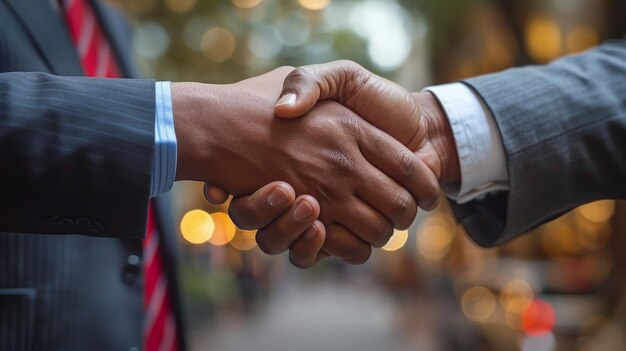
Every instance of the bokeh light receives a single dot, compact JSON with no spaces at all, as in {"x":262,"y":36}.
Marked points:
{"x":397,"y":240}
{"x":435,"y":236}
{"x":150,"y":39}
{"x":516,"y":296}
{"x":218,"y":44}
{"x":513,"y":320}
{"x":314,"y":4}
{"x":559,"y":238}
{"x":265,"y":42}
{"x":384,"y":25}
{"x":538,"y":318}
{"x":246,"y":4}
{"x":294,"y":29}
{"x":593,"y":236}
{"x":599,"y":211}
{"x":244,"y":240}
{"x":543,"y":39}
{"x":197,"y":226}
{"x":478,"y":303}
{"x":434,"y":242}
{"x":224,"y":231}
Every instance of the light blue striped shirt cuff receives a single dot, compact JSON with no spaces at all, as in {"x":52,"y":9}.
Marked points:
{"x":165,"y":148}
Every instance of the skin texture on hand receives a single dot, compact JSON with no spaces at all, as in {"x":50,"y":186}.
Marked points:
{"x":229,"y":136}
{"x":437,"y":149}
{"x":415,"y":119}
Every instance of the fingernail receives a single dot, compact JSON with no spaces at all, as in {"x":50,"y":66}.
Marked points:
{"x":287,"y":99}
{"x":303,"y":211}
{"x":278,"y":197}
{"x":429,"y":205}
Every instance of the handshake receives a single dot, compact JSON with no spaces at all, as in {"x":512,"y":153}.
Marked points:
{"x":361,"y":152}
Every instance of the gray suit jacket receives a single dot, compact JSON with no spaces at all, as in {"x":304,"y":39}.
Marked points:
{"x":76,"y":157}
{"x":563,"y":126}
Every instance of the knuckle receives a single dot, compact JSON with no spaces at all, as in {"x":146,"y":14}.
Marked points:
{"x":405,"y":207}
{"x":341,"y":160}
{"x":352,"y":125}
{"x":413,"y":108}
{"x":298,"y":74}
{"x":346,"y":63}
{"x":350,"y":67}
{"x":402,"y":202}
{"x":405,"y":164}
{"x":355,"y":78}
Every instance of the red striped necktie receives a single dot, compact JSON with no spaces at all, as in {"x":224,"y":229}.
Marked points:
{"x":98,"y":60}
{"x":159,"y":326}
{"x":93,"y":48}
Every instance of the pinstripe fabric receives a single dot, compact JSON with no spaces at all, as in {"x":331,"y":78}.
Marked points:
{"x":98,"y":61}
{"x":75,"y":306}
{"x":92,"y":139}
{"x":65,"y":143}
{"x":564,"y":131}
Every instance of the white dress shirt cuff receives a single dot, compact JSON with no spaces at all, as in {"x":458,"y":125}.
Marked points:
{"x":479,"y":146}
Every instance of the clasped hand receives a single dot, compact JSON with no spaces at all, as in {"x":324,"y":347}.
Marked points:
{"x":358,"y":150}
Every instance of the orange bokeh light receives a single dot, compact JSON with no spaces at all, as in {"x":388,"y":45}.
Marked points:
{"x":538,"y":319}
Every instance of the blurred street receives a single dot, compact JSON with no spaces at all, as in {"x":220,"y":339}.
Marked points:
{"x":324,"y":315}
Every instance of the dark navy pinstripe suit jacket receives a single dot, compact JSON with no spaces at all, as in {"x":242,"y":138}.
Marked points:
{"x":76,"y":159}
{"x":563,"y":127}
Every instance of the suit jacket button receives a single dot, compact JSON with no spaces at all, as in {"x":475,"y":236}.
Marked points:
{"x":133,"y":260}
{"x":131,"y":269}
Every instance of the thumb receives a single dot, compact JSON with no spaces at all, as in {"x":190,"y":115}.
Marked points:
{"x":300,"y":93}
{"x":386,"y":105}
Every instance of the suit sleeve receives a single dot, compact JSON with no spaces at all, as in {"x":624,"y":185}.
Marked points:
{"x":76,"y":154}
{"x":563,"y":127}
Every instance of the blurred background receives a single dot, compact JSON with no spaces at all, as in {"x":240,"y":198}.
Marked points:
{"x":561,"y":287}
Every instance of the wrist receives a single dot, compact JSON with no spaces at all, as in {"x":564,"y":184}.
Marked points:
{"x":192,"y":118}
{"x":217,"y":126}
{"x":440,"y":137}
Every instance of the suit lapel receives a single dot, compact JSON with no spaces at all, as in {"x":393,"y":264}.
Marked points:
{"x":49,"y":35}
